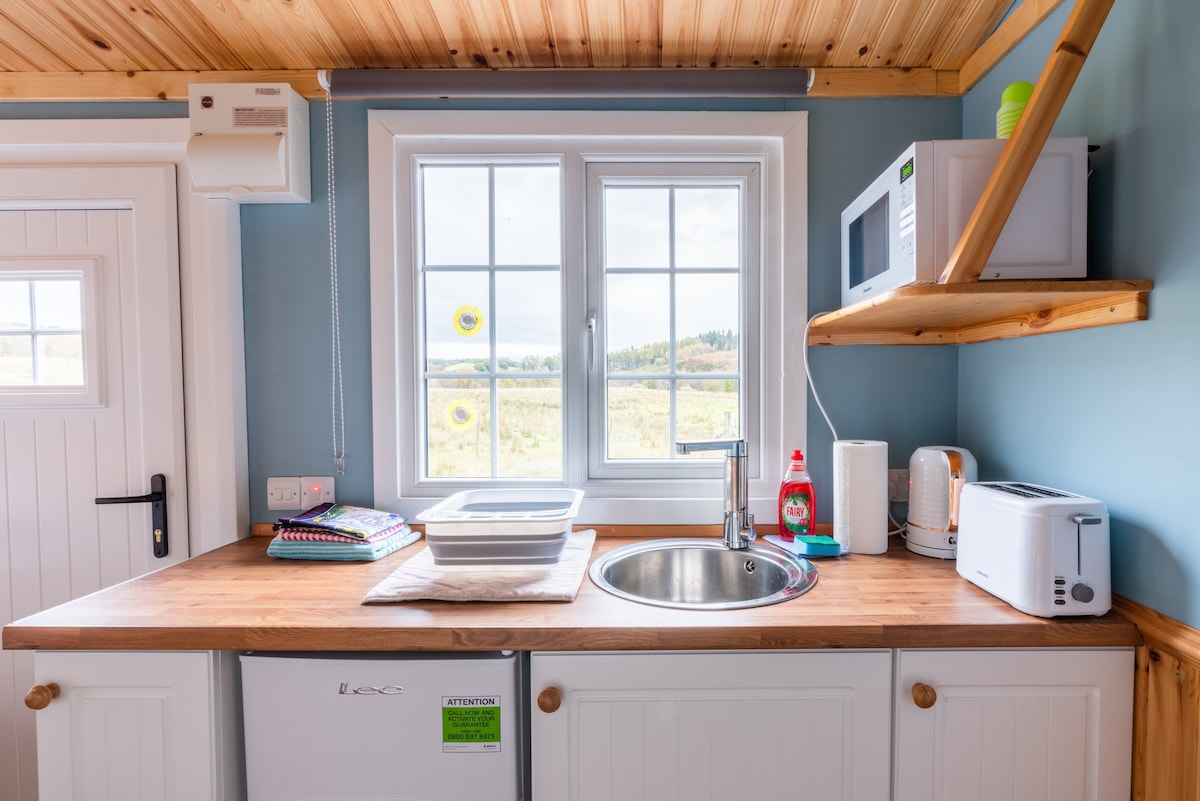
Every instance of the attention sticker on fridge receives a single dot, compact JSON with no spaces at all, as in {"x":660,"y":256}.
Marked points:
{"x":470,"y":723}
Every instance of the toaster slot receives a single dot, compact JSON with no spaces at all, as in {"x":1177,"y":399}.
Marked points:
{"x":1030,"y":491}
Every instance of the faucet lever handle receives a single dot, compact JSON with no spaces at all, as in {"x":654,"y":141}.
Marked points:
{"x":734,"y":447}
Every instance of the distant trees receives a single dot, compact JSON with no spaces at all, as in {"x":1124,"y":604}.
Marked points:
{"x":708,"y":352}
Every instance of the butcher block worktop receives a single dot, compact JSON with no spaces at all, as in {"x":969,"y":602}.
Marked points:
{"x":237,"y":597}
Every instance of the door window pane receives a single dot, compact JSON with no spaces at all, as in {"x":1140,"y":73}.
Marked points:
{"x":41,"y":333}
{"x":16,"y":360}
{"x":57,"y":305}
{"x":15,"y":309}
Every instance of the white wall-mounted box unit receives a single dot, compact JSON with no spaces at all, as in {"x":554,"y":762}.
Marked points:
{"x":249,"y":142}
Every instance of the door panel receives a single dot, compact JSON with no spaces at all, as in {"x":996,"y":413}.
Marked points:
{"x":63,"y":446}
{"x":1017,"y":725}
{"x":801,"y":725}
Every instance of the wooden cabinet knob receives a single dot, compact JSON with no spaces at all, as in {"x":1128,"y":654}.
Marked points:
{"x":924,"y":696}
{"x":40,"y":696}
{"x":549,"y":700}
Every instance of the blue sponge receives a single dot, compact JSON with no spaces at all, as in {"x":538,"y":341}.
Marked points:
{"x":816,"y":545}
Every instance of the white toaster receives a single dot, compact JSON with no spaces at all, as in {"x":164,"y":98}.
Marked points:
{"x":1042,"y":550}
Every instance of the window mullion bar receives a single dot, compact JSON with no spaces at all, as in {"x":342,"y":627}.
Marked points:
{"x":672,"y":384}
{"x":33,"y":337}
{"x":493,"y":362}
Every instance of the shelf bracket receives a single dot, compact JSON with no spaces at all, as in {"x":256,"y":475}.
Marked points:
{"x":1016,"y":161}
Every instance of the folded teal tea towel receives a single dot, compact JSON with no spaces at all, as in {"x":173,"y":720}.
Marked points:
{"x":342,"y":551}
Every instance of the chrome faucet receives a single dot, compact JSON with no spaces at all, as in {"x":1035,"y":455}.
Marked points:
{"x":739,"y":522}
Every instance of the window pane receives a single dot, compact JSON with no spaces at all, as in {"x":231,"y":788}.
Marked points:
{"x":14,"y":306}
{"x":16,"y":361}
{"x":456,"y":321}
{"x":639,"y":419}
{"x":57,"y":305}
{"x":637,"y":227}
{"x":455,"y":214}
{"x":458,"y":420}
{"x":530,"y":428}
{"x":638,"y":322}
{"x":706,"y":323}
{"x":707,"y":223}
{"x":60,"y":360}
{"x":528,"y":321}
{"x":527,"y":215}
{"x":707,"y":409}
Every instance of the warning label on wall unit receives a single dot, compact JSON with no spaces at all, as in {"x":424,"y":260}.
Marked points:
{"x":470,"y":723}
{"x":260,"y":117}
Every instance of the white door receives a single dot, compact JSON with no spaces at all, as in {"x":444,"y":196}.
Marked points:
{"x":91,"y":402}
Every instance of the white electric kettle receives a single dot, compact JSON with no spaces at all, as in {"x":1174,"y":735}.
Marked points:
{"x":936,"y":475}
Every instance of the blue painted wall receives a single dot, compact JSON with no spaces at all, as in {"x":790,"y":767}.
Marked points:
{"x":1113,"y":412}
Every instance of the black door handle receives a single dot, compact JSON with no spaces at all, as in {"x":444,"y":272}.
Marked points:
{"x":157,"y":497}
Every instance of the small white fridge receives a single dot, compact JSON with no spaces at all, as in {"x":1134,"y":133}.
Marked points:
{"x":384,"y":727}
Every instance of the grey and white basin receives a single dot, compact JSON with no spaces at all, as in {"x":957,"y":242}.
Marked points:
{"x":695,"y":573}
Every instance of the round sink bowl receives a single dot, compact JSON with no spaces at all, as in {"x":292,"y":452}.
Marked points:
{"x":702,"y":574}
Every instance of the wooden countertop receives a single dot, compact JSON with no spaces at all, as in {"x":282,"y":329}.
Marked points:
{"x":237,"y":598}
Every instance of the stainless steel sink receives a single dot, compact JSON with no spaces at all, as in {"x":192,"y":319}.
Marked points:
{"x":702,"y":574}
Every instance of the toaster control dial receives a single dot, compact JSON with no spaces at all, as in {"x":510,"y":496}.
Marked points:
{"x":1083,"y":593}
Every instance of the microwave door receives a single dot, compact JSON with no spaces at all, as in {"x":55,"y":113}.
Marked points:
{"x":868,"y":245}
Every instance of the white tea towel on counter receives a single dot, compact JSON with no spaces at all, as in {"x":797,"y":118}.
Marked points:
{"x":419,"y":579}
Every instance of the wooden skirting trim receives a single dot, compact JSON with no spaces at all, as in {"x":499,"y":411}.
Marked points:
{"x":1182,"y":638}
{"x":1166,"y":706}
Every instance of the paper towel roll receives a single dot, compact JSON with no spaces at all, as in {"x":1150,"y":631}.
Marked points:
{"x":860,"y":485}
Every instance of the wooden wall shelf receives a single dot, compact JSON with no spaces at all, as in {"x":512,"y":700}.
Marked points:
{"x":961,"y":314}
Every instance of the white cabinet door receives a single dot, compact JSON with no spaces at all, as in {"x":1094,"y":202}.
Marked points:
{"x":128,"y":726}
{"x":742,"y":726}
{"x":1020,"y":725}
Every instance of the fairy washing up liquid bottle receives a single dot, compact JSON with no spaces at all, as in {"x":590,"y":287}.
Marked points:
{"x":797,"y":501}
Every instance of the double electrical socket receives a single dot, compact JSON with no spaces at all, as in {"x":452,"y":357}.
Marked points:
{"x":298,"y":492}
{"x":897,"y":485}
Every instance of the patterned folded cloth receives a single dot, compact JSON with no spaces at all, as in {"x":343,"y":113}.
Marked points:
{"x":321,"y":535}
{"x":353,"y":551}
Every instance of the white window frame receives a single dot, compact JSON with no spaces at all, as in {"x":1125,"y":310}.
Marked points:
{"x":777,"y":140}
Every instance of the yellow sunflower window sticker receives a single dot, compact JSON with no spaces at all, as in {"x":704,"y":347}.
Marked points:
{"x":460,"y":414}
{"x":468,"y":320}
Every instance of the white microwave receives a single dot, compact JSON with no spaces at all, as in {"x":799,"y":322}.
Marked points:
{"x":902,"y":229}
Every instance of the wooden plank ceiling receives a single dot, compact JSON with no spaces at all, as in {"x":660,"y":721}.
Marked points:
{"x":52,"y":49}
